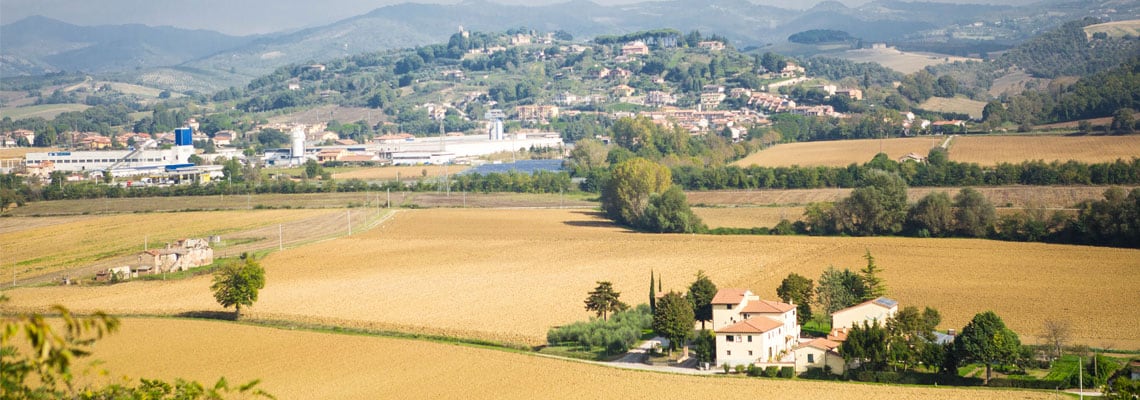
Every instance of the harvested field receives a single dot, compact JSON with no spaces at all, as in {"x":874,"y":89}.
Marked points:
{"x":307,"y":200}
{"x":1000,"y":196}
{"x":747,"y":217}
{"x":905,"y":62}
{"x":332,"y":366}
{"x":839,"y":153}
{"x":509,"y":275}
{"x":345,"y":367}
{"x":1014,"y":82}
{"x":960,"y":105}
{"x":989,"y":150}
{"x":1115,"y":29}
{"x":401,"y":172}
{"x":79,"y":245}
{"x":983,"y":150}
{"x":45,"y":111}
{"x":20,"y":152}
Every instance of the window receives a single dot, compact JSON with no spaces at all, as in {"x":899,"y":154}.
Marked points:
{"x":749,"y":338}
{"x":728,"y":353}
{"x":728,"y":306}
{"x":749,"y":352}
{"x":811,"y":358}
{"x":728,"y":338}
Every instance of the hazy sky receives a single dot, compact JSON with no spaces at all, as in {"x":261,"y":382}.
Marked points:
{"x":241,"y":17}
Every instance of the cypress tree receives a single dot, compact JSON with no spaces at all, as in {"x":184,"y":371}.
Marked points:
{"x":652,"y":295}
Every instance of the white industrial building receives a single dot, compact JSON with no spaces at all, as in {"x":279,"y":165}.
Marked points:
{"x":142,"y":157}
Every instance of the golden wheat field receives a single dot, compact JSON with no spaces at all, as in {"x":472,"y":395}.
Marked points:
{"x":45,"y":245}
{"x":839,"y":153}
{"x":984,"y":150}
{"x":402,"y":172}
{"x":509,"y":275}
{"x":747,"y":217}
{"x":989,"y":150}
{"x":310,"y":365}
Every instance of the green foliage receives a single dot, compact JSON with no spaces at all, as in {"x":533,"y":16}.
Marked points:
{"x":46,"y":371}
{"x":797,"y":290}
{"x":701,"y":293}
{"x":932,"y":216}
{"x":814,"y":36}
{"x":877,"y":206}
{"x":604,"y":300}
{"x":631,"y":184}
{"x":1066,"y":51}
{"x":874,"y":285}
{"x":974,"y":215}
{"x":839,"y":289}
{"x":669,"y":212}
{"x":237,"y":283}
{"x":866,"y":344}
{"x":987,"y":340}
{"x":674,"y":319}
{"x":705,"y":346}
{"x":616,"y":335}
{"x":1124,"y":389}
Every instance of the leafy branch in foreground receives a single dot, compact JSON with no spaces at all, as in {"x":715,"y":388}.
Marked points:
{"x":45,"y":372}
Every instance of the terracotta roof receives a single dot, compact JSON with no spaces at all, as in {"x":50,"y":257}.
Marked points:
{"x":822,"y":344}
{"x":838,"y":335}
{"x":729,"y":296}
{"x":751,"y":325}
{"x":767,"y":306}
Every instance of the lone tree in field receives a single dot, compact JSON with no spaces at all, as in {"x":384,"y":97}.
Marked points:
{"x":674,"y":319}
{"x":626,"y":195}
{"x":604,"y":300}
{"x":237,"y":282}
{"x":986,"y":340}
{"x":701,"y":293}
{"x":798,"y":290}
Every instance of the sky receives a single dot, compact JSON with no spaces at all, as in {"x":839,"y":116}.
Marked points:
{"x":242,"y":17}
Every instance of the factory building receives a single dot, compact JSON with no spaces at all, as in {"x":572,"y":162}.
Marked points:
{"x":143,"y":156}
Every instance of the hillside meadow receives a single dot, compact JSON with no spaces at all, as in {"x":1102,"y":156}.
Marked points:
{"x":983,"y":150}
{"x":509,"y":275}
{"x":336,"y":366}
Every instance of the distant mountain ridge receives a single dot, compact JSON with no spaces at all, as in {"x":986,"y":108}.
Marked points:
{"x":37,"y":45}
{"x":206,"y":61}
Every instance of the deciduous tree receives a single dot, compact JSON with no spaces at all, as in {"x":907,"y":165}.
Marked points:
{"x":237,"y":283}
{"x":839,"y":289}
{"x":627,"y":193}
{"x":973,"y":213}
{"x":701,"y":293}
{"x":674,"y":319}
{"x":987,"y":340}
{"x":799,"y":291}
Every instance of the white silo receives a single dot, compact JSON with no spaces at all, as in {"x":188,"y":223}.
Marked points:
{"x":298,"y":143}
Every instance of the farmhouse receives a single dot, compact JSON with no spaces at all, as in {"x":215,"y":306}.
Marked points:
{"x":637,"y":48}
{"x":875,"y":312}
{"x":752,"y":331}
{"x":819,"y":353}
{"x":180,"y":256}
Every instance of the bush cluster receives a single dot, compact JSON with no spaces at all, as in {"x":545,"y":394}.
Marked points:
{"x":615,"y":335}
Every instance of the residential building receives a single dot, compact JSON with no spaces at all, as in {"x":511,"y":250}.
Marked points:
{"x":753,"y":331}
{"x":637,"y":48}
{"x":875,"y":312}
{"x":711,"y":45}
{"x":819,"y":353}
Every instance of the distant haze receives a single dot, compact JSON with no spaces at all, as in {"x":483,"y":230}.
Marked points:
{"x":243,"y":17}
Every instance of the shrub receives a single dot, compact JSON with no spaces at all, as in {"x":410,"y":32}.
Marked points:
{"x":787,"y":372}
{"x":771,"y":371}
{"x":616,"y":336}
{"x":740,"y":369}
{"x":754,"y":370}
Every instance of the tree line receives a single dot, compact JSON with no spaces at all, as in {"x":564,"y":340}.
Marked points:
{"x":936,"y":172}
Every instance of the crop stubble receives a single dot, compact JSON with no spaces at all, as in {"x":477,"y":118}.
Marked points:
{"x":311,"y":365}
{"x":509,"y":275}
